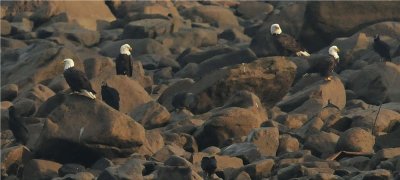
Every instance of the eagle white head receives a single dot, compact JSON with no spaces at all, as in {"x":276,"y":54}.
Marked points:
{"x":333,"y":51}
{"x":276,"y":29}
{"x":126,"y":49}
{"x":68,"y":63}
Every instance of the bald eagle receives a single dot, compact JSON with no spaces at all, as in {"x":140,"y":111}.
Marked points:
{"x":286,"y":44}
{"x":382,"y":48}
{"x":209,"y":165}
{"x":325,"y":65}
{"x":110,"y":96}
{"x":17,"y":127}
{"x":124,"y":61}
{"x":77,"y":80}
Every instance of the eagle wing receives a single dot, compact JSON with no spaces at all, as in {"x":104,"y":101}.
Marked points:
{"x":289,"y":43}
{"x":75,"y":77}
{"x":130,"y":66}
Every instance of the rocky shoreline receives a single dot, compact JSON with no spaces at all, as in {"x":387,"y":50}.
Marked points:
{"x":257,"y":113}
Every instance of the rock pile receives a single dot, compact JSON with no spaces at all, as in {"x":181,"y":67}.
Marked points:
{"x":252,"y":109}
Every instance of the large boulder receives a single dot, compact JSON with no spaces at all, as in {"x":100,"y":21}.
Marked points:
{"x":88,"y":126}
{"x":369,"y":117}
{"x":131,"y":93}
{"x":328,"y":20}
{"x":311,"y":94}
{"x":194,"y":37}
{"x":228,"y":59}
{"x":151,"y":115}
{"x":136,"y":10}
{"x":223,"y":162}
{"x":36,"y":63}
{"x":269,"y":78}
{"x":9,"y":92}
{"x":259,"y":169}
{"x":356,"y":140}
{"x":238,"y":117}
{"x":72,"y":32}
{"x":218,"y":16}
{"x":30,"y":100}
{"x":377,"y":83}
{"x":146,"y":28}
{"x":14,"y":158}
{"x":40,"y":169}
{"x":322,"y":144}
{"x":179,"y":86}
{"x":132,"y":169}
{"x":88,"y":14}
{"x":5,"y":28}
{"x":22,"y":26}
{"x":248,"y":152}
{"x":254,"y":9}
{"x":192,"y":56}
{"x":266,"y":139}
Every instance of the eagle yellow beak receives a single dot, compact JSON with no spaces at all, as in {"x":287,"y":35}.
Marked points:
{"x":337,"y":49}
{"x":130,"y":49}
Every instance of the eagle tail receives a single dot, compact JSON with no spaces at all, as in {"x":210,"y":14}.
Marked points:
{"x":89,"y":94}
{"x":303,"y":53}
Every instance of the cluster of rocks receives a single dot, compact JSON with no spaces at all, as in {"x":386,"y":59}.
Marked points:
{"x":257,"y":114}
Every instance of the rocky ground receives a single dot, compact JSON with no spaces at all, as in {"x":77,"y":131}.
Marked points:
{"x":257,"y":114}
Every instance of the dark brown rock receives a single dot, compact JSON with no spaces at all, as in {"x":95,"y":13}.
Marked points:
{"x":75,"y":121}
{"x":167,"y":151}
{"x":248,"y":152}
{"x":287,"y":143}
{"x":5,"y":28}
{"x":224,"y":60}
{"x":238,"y":117}
{"x":22,"y":26}
{"x":132,"y":169}
{"x":331,"y":19}
{"x":223,"y":162}
{"x":218,"y":16}
{"x":377,"y":83}
{"x":86,"y":14}
{"x":269,"y":78}
{"x":356,"y":140}
{"x":199,"y":56}
{"x":131,"y":93}
{"x":195,"y":37}
{"x":234,"y":35}
{"x":151,"y":115}
{"x":40,"y":169}
{"x":292,"y":171}
{"x":42,"y":64}
{"x":179,"y":86}
{"x":259,"y":169}
{"x":13,"y":159}
{"x":266,"y":139}
{"x":254,"y":9}
{"x":322,"y":144}
{"x":365,"y":118}
{"x":311,"y":98}
{"x":146,"y":28}
{"x":384,"y":154}
{"x":70,"y":169}
{"x":9,"y":92}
